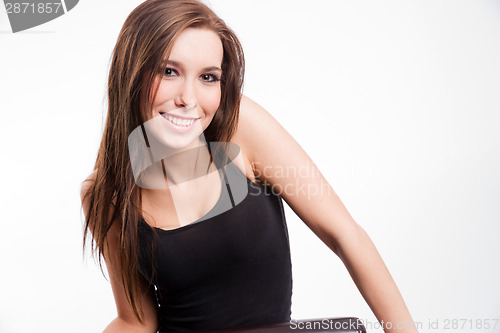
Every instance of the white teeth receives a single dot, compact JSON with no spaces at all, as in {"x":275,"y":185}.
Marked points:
{"x":179,"y":122}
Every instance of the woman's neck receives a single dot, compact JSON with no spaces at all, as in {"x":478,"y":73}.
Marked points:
{"x":177,"y":167}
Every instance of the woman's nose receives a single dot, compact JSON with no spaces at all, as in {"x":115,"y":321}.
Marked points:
{"x":186,"y":95}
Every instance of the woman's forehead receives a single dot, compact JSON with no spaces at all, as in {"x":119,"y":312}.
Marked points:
{"x":197,"y":47}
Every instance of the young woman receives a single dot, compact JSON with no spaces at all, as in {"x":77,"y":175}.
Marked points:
{"x":179,"y":204}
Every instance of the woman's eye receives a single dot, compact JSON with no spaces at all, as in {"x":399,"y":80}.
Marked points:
{"x":209,"y":78}
{"x":170,"y":72}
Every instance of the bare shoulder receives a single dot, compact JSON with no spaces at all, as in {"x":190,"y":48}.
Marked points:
{"x":257,"y":129}
{"x":85,"y":188}
{"x":255,"y":124}
{"x":243,"y":136}
{"x":251,"y":114}
{"x":279,"y":160}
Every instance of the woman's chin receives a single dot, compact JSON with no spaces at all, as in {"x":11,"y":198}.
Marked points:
{"x":180,"y":144}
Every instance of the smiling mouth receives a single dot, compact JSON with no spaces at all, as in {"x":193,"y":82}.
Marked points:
{"x":179,"y":121}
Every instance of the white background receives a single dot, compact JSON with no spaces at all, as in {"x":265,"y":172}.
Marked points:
{"x":397,"y":102}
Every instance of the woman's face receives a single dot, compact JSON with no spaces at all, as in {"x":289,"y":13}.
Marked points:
{"x":190,"y":90}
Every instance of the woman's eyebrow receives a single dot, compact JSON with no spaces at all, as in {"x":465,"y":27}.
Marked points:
{"x":178,"y":64}
{"x":212,"y":68}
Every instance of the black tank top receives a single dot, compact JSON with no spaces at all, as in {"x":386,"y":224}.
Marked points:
{"x":230,"y":268}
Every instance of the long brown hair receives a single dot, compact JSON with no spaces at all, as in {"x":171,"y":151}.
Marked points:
{"x":143,"y":44}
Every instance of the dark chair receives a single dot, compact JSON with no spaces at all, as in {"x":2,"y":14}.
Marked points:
{"x":322,"y":325}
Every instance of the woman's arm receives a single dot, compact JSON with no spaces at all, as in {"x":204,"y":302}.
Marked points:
{"x":126,"y":321}
{"x":280,"y":161}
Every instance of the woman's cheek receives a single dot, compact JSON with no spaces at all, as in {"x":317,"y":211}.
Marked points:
{"x":166,"y":91}
{"x":213,"y":101}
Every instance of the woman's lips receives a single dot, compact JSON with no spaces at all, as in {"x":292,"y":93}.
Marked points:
{"x":179,"y":128}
